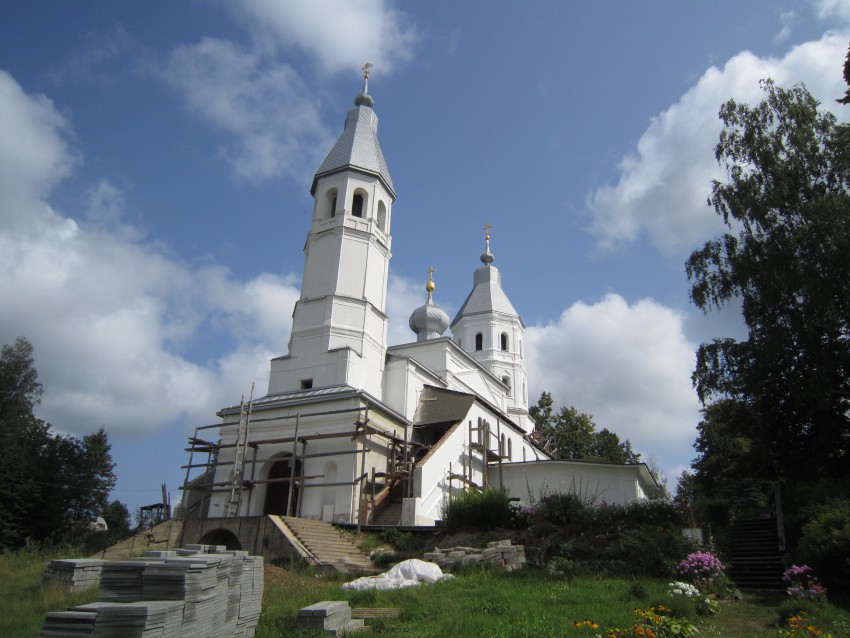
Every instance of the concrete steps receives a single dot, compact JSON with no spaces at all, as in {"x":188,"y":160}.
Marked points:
{"x":328,"y":546}
{"x":757,"y":560}
{"x":390,"y":516}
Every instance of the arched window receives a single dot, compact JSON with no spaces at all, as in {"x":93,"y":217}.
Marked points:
{"x":329,"y":208}
{"x":479,"y":341}
{"x":503,"y":341}
{"x":357,"y":205}
{"x":382,"y":216}
{"x":503,"y":446}
{"x":507,"y":381}
{"x":510,"y":449}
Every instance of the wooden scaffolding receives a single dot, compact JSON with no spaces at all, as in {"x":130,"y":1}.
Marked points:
{"x":398,"y":467}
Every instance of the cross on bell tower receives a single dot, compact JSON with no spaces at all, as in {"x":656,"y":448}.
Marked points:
{"x":339,"y":325}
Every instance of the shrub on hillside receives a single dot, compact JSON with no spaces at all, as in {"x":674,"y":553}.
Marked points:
{"x":567,"y":511}
{"x":487,"y":509}
{"x":653,"y":512}
{"x":825,"y":543}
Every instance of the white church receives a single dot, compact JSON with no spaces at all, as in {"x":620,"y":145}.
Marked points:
{"x":352,"y":430}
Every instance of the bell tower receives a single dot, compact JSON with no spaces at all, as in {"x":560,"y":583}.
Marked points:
{"x":339,"y":325}
{"x":489,"y":328}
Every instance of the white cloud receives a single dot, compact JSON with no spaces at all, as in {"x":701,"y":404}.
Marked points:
{"x":663,"y":186}
{"x":787,"y":20}
{"x":341,"y":34}
{"x":263,"y":105}
{"x":33,"y":153}
{"x":95,"y":63}
{"x":832,"y":9}
{"x":112,"y":317}
{"x":628,"y":365}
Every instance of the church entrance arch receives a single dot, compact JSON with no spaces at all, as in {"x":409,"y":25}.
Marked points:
{"x":277,"y":492}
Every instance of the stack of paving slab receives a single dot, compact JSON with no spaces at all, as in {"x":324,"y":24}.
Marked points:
{"x":160,"y":619}
{"x":333,"y":616}
{"x":498,"y":553}
{"x":209,"y":590}
{"x":73,"y":574}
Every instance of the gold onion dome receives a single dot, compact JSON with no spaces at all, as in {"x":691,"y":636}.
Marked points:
{"x":429,"y":321}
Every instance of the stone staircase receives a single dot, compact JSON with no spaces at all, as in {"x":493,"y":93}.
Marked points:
{"x":756,"y":555}
{"x":327,"y":546}
{"x":390,"y":516}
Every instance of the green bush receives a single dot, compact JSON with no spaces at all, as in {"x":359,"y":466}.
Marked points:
{"x":403,"y":542}
{"x":825,"y":544}
{"x":654,"y":512}
{"x":487,"y":509}
{"x":567,"y":511}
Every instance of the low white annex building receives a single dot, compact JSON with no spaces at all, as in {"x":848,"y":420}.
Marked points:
{"x":352,"y":430}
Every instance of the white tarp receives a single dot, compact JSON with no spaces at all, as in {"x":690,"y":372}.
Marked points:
{"x":407,"y":573}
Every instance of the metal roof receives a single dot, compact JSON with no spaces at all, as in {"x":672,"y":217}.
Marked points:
{"x":357,"y":148}
{"x":438,"y":405}
{"x":487,"y":296}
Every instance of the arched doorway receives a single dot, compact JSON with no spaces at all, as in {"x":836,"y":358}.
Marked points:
{"x":221,"y":537}
{"x":277,"y":493}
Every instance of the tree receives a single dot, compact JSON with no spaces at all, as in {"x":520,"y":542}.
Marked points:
{"x":20,"y":390}
{"x":846,"y":98}
{"x":51,"y":486}
{"x":786,"y":259}
{"x":570,"y":434}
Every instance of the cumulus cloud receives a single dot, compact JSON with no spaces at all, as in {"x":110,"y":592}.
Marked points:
{"x":262,"y":104}
{"x":340,"y":34}
{"x":663,"y":185}
{"x":628,"y":365}
{"x":832,"y":9}
{"x":34,"y":155}
{"x":112,"y":317}
{"x":269,"y":112}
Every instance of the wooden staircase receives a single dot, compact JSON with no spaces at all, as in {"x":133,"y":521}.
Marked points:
{"x":756,"y":554}
{"x":325,"y":545}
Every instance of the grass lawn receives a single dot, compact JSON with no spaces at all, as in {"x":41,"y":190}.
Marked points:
{"x":490,"y":603}
{"x":22,"y":602}
{"x":486,"y":603}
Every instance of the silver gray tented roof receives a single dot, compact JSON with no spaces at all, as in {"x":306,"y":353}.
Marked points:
{"x":486,"y":296}
{"x":358,"y":147}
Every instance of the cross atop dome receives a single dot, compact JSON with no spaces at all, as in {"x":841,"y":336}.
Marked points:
{"x":364,"y":99}
{"x":487,"y":257}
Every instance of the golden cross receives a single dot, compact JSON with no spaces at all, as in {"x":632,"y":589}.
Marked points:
{"x":366,"y":68}
{"x":486,"y":229}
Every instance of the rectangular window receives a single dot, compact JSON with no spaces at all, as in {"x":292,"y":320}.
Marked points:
{"x":306,"y":384}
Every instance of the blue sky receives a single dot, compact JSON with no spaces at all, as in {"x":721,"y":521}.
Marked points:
{"x":156,"y":158}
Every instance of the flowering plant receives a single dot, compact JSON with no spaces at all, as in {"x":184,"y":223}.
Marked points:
{"x":655,"y":622}
{"x":802,"y":583}
{"x":799,"y":626}
{"x":678,"y":588}
{"x":701,"y":568}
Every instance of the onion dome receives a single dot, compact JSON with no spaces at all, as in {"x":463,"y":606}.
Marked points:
{"x":429,"y":321}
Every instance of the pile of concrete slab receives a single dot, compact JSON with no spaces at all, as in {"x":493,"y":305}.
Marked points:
{"x":498,"y":553}
{"x":333,"y":616}
{"x":72,"y":575}
{"x":202,"y":590}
